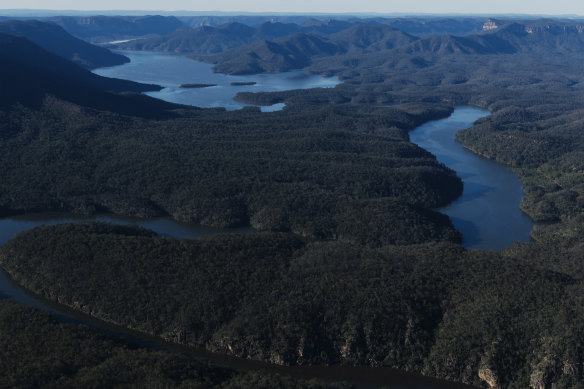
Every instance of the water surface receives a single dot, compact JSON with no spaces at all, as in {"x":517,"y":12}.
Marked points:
{"x":487,"y":213}
{"x":171,"y":71}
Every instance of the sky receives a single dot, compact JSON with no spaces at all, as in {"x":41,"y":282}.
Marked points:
{"x":535,"y":7}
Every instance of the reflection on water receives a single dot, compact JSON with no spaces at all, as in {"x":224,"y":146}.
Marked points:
{"x":171,"y":71}
{"x":487,"y":213}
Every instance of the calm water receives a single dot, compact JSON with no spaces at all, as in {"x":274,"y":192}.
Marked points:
{"x":171,"y":71}
{"x":487,"y":213}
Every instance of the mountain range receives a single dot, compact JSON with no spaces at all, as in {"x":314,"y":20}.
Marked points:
{"x":207,"y":40}
{"x":358,"y":42}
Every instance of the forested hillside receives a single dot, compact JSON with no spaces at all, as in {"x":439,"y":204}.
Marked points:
{"x":71,"y":356}
{"x":310,"y":173}
{"x":56,"y":40}
{"x":350,"y":265}
{"x":513,"y":318}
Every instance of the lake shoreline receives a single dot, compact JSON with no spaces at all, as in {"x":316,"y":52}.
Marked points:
{"x":171,"y":71}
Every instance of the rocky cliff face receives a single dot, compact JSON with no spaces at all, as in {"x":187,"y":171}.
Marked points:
{"x":488,"y":375}
{"x":489,"y":25}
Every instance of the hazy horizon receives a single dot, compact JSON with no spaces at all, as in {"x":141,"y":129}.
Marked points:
{"x":414,"y":7}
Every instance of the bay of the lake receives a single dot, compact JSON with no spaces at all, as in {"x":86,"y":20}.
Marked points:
{"x":487,"y":213}
{"x":172,"y":71}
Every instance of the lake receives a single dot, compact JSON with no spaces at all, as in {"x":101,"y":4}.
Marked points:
{"x":487,"y":213}
{"x":172,"y":71}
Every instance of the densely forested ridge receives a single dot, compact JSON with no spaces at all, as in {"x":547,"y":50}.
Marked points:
{"x":72,"y":356}
{"x":205,"y":40}
{"x":19,"y":51}
{"x":29,"y":73}
{"x":200,"y":40}
{"x":55,"y":39}
{"x":298,"y":50}
{"x":326,"y":173}
{"x":546,"y":148}
{"x":531,"y":37}
{"x":284,"y":54}
{"x":208,"y":35}
{"x":512,"y":319}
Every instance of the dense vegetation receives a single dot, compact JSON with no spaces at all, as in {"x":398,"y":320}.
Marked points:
{"x":323,"y":173}
{"x":513,"y":318}
{"x":71,"y":356}
{"x":56,"y":40}
{"x":354,"y":268}
{"x":206,"y":36}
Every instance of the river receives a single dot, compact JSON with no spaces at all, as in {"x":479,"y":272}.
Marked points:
{"x":487,"y":213}
{"x":361,"y":377}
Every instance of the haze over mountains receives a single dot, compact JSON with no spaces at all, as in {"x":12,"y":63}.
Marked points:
{"x":355,"y":43}
{"x":108,"y":28}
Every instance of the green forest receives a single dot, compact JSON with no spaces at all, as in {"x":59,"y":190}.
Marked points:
{"x":349,"y":264}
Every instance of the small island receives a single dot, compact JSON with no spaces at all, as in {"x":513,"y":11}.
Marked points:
{"x":243,"y":83}
{"x":197,"y":85}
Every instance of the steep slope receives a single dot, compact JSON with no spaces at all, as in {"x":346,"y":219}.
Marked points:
{"x":371,"y":38}
{"x":203,"y":40}
{"x":448,"y":44}
{"x":55,"y":39}
{"x":308,"y":45}
{"x":28,"y":74}
{"x":425,"y":26}
{"x":299,"y":50}
{"x":540,"y":36}
{"x":284,"y":54}
{"x":531,"y":37}
{"x":207,"y":40}
{"x":270,"y":30}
